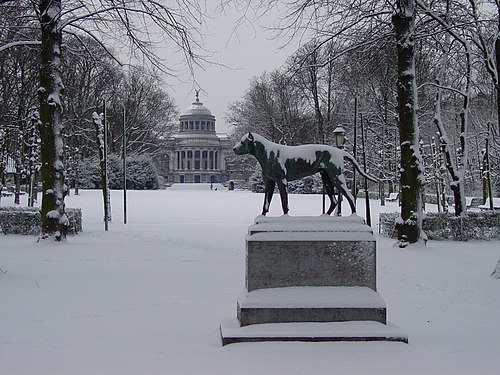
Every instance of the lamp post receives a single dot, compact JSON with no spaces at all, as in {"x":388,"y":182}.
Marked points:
{"x":339,"y":138}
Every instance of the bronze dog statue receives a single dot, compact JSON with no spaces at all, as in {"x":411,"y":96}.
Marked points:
{"x":281,"y":164}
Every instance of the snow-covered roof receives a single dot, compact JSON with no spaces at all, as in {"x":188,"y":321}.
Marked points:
{"x":197,"y":109}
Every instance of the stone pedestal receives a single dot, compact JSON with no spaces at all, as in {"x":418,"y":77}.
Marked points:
{"x":309,"y":271}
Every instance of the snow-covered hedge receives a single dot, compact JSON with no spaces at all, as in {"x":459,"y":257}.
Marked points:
{"x":483,"y":225}
{"x":306,"y":185}
{"x":141,"y":173}
{"x":26,"y":220}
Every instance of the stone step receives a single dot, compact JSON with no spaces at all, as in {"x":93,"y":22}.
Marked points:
{"x":300,"y":224}
{"x":232,"y":332}
{"x":310,"y":304}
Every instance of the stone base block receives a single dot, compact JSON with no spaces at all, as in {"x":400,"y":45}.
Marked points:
{"x":310,"y":279}
{"x":232,"y":332}
{"x":322,"y":251}
{"x":310,"y":304}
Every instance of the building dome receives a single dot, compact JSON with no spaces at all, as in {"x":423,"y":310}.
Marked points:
{"x":197,"y":109}
{"x":196,"y":120}
{"x":196,"y":154}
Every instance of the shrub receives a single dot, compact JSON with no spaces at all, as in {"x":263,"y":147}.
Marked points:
{"x":306,"y":185}
{"x":141,"y":173}
{"x":26,"y":220}
{"x":483,"y":225}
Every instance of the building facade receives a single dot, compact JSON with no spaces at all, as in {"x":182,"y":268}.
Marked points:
{"x":196,"y":154}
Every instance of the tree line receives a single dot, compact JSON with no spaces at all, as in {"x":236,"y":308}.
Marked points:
{"x":54,"y":85}
{"x":425,"y":75}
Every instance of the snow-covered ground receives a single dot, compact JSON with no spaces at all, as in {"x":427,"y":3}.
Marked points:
{"x":148,"y":297}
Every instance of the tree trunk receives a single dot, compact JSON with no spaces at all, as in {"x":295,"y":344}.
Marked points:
{"x":381,"y":188}
{"x":456,"y":172}
{"x":484,"y":178}
{"x":53,"y":219}
{"x":409,"y":226}
{"x":313,"y":76}
{"x":496,"y":272}
{"x":18,"y":165}
{"x":33,"y":159}
{"x":497,"y":61}
{"x":100,"y":134}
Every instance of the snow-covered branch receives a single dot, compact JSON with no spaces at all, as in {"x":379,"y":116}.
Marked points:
{"x":20,"y":43}
{"x":441,"y":87}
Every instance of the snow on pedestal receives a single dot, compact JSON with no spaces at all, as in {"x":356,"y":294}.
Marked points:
{"x":310,"y":271}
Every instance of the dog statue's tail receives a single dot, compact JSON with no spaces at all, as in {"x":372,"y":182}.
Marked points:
{"x":358,"y":167}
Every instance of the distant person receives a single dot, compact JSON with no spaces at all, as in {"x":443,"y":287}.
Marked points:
{"x":211,"y":186}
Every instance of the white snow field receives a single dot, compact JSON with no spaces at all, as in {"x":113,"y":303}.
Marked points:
{"x":148,"y":297}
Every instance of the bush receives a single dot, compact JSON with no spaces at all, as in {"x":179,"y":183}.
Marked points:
{"x":306,"y":185}
{"x":26,"y":220}
{"x":256,"y":182}
{"x":483,"y":225}
{"x":141,"y":173}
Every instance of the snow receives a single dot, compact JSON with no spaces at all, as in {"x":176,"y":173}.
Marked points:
{"x":334,"y":329}
{"x":53,"y":214}
{"x":311,"y":236}
{"x":310,"y":296}
{"x":323,"y":223}
{"x":304,"y":152}
{"x":148,"y":297}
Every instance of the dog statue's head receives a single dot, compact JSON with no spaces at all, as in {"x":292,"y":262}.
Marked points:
{"x":245,"y":146}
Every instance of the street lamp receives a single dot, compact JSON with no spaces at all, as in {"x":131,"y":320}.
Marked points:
{"x":339,"y":136}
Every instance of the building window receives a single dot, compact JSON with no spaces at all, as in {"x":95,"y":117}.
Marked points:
{"x":197,"y":125}
{"x":203,"y":125}
{"x":191,"y":125}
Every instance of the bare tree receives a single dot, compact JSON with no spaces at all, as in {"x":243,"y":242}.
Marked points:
{"x":151,"y":114}
{"x":274,"y":107}
{"x":409,"y":226}
{"x":344,"y":20}
{"x":135,"y":22}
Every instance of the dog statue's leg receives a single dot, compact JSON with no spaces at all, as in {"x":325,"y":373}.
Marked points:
{"x":346,"y":193}
{"x":284,"y":196}
{"x":329,"y":191}
{"x":268,"y":195}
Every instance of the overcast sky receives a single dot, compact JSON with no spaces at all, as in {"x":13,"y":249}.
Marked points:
{"x":252,"y":53}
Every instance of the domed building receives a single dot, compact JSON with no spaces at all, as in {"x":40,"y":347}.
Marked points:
{"x":196,"y":154}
